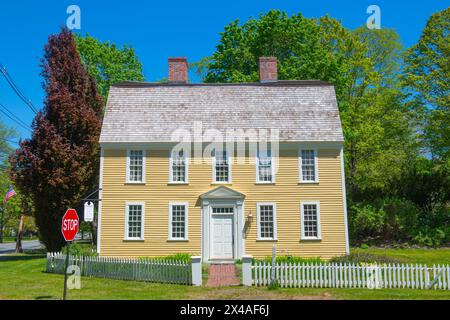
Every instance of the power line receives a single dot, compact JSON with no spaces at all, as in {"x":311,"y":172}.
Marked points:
{"x":18,"y":120}
{"x":16,"y":89}
{"x":13,"y":119}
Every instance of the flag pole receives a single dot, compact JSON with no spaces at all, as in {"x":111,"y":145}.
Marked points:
{"x":1,"y":223}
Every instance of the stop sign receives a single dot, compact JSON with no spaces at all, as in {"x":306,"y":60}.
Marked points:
{"x":69,"y":225}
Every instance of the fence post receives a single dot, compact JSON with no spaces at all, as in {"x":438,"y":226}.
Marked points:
{"x":247,"y":270}
{"x":196,"y":263}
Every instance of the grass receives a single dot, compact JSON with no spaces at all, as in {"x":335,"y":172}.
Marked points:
{"x":23,"y":277}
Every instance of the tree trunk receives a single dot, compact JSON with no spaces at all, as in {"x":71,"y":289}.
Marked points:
{"x":19,"y":234}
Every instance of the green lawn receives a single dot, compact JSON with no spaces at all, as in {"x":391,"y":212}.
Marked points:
{"x":23,"y":277}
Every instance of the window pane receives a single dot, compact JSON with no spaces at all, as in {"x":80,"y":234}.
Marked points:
{"x":178,"y":221}
{"x":136,"y":165}
{"x":310,"y":220}
{"x":265,"y":166}
{"x":134,"y":221}
{"x":178,"y":166}
{"x":221,"y":166}
{"x":308,"y":165}
{"x":266,"y":223}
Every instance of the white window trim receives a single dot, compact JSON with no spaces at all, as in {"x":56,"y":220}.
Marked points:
{"x":186,"y":221}
{"x":302,"y":218}
{"x":230,"y":177}
{"x":272,"y":162}
{"x":258,"y":220}
{"x":127,"y":205}
{"x":144,"y":156}
{"x":186,"y":164}
{"x":316,"y":165}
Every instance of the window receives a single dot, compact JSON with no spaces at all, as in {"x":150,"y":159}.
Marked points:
{"x":178,"y":221}
{"x":310,"y":220}
{"x":221,"y":167}
{"x":266,"y":221}
{"x":308,"y":166}
{"x":135,"y":164}
{"x":178,"y":166}
{"x":264,"y":167}
{"x":134,"y":221}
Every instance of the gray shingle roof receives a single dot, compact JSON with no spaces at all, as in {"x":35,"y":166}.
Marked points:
{"x":150,"y":112}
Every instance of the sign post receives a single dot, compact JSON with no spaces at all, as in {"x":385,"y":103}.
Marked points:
{"x":69,"y":229}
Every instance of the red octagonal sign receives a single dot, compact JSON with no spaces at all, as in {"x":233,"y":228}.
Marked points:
{"x":70,"y":223}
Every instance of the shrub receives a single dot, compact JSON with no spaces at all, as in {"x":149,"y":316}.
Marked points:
{"x":290,"y":259}
{"x":77,"y":249}
{"x":364,"y":257}
{"x":183,"y":257}
{"x":364,"y":246}
{"x":430,"y":237}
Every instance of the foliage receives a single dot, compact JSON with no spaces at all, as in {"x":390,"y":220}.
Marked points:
{"x":289,"y":259}
{"x":107,"y":63}
{"x":182,"y":257}
{"x":77,"y":249}
{"x":427,"y":80}
{"x":60,"y":162}
{"x":364,"y":257}
{"x":430,"y":237}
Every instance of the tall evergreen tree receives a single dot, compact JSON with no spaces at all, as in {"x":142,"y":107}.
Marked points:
{"x":60,"y":162}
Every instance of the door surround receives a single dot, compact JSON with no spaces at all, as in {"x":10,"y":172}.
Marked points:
{"x":222,"y":197}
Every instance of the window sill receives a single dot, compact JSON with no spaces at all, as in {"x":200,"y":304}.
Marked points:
{"x":311,"y":239}
{"x":178,"y":240}
{"x":178,"y":183}
{"x":266,"y":240}
{"x":133,"y":240}
{"x":308,"y":182}
{"x":220,"y":183}
{"x":135,"y":183}
{"x":265,"y":183}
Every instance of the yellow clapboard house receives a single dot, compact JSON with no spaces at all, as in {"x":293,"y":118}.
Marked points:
{"x":222,"y":170}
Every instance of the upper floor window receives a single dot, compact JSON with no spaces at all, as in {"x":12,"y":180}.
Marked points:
{"x":136,"y":166}
{"x":266,"y":221}
{"x":308,"y":165}
{"x":264,"y":167}
{"x":310,"y":220}
{"x":134,"y":224}
{"x":178,"y":221}
{"x":221,"y":166}
{"x":178,"y":166}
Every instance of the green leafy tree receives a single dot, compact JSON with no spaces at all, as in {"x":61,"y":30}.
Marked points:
{"x":60,"y":162}
{"x":107,"y":63}
{"x":362,"y":64}
{"x":427,"y":79}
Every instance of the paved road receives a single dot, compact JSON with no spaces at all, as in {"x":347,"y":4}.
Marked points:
{"x":26,"y":245}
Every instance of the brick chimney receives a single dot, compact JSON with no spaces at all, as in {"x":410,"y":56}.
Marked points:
{"x":268,"y":69}
{"x":178,"y":70}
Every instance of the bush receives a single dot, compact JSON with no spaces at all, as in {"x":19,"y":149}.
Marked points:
{"x":183,"y":257}
{"x":365,"y":257}
{"x":430,"y":237}
{"x":77,"y":249}
{"x":290,"y":259}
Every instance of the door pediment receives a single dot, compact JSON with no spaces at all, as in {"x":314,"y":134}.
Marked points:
{"x":222,"y":192}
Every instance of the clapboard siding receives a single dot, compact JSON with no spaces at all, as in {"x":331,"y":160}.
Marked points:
{"x":157,"y":193}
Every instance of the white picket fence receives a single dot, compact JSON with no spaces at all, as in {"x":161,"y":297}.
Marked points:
{"x":151,"y":270}
{"x":338,"y":275}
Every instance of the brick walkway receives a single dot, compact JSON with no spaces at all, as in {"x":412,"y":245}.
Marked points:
{"x":222,"y":275}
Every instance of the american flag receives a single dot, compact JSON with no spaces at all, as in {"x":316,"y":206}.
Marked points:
{"x":9,"y":195}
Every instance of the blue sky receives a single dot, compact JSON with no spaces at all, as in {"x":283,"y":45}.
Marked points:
{"x":159,"y":29}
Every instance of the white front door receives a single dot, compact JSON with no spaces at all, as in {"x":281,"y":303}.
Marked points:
{"x":222,"y":234}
